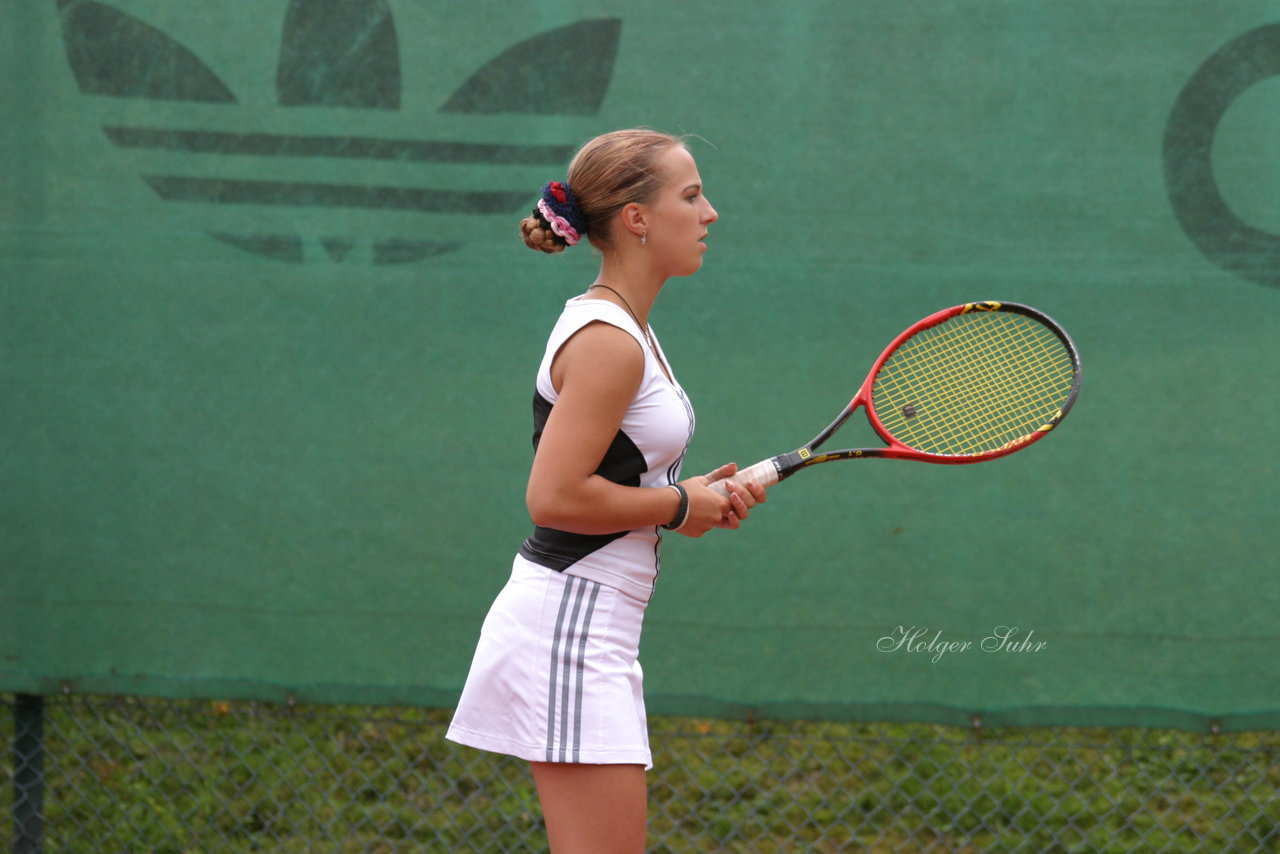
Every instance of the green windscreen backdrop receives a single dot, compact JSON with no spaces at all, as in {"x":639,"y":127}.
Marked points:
{"x":268,"y":338}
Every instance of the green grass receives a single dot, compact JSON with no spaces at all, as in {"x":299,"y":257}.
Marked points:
{"x":174,"y":777}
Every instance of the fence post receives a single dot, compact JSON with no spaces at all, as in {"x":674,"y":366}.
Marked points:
{"x":28,"y":774}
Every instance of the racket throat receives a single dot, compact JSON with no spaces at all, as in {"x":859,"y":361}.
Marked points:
{"x":789,"y":464}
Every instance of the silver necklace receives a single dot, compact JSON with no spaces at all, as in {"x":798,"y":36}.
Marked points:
{"x":644,"y":329}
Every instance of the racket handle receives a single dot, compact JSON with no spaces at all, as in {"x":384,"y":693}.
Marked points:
{"x":764,"y":473}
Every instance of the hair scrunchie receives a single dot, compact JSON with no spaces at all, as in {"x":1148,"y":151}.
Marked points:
{"x":558,"y":209}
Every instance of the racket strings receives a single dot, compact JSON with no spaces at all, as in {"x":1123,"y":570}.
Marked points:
{"x":973,"y":384}
{"x":993,"y":392}
{"x":1002,"y":388}
{"x":990,"y":389}
{"x":965,"y":412}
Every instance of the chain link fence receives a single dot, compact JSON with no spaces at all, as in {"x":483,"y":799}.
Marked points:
{"x":177,"y":777}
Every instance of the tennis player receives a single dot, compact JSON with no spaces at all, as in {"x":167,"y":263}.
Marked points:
{"x":555,"y":677}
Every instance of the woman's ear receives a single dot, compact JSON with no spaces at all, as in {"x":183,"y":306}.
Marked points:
{"x":634,"y":218}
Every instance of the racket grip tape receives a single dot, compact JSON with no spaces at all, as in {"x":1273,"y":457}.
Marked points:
{"x":764,"y":473}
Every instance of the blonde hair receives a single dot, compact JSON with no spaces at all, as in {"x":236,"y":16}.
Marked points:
{"x":607,"y":174}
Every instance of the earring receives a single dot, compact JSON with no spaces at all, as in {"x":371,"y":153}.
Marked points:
{"x":644,"y":238}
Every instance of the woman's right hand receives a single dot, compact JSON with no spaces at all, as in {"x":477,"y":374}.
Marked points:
{"x":709,"y":509}
{"x":706,"y":507}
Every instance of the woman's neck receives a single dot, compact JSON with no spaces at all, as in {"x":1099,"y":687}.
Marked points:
{"x":630,"y":287}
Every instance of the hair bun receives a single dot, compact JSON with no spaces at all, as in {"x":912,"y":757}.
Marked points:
{"x":556,"y":222}
{"x":537,"y":234}
{"x":559,"y":211}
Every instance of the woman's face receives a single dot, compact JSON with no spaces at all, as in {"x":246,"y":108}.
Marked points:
{"x":679,"y":215}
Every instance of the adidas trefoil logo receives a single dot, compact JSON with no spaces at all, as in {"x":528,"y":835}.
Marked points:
{"x":345,"y":55}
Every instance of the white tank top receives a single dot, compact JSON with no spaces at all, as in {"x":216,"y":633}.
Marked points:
{"x":647,"y":451}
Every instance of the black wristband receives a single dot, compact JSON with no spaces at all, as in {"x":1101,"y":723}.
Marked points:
{"x":682,"y":514}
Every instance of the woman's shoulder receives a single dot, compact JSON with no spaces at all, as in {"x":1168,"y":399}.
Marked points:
{"x":583,"y":311}
{"x":599,"y":340}
{"x":599,"y":355}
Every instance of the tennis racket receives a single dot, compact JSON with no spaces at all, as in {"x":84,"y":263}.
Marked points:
{"x":963,"y":385}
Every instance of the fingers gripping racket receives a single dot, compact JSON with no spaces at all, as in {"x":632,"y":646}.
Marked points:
{"x":964,"y":385}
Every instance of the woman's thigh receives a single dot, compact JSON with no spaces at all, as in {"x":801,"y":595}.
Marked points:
{"x":593,"y":809}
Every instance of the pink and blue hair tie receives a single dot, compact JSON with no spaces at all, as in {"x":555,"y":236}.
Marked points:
{"x":561,"y":213}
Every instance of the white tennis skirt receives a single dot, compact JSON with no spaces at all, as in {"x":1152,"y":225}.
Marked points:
{"x":555,"y":677}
